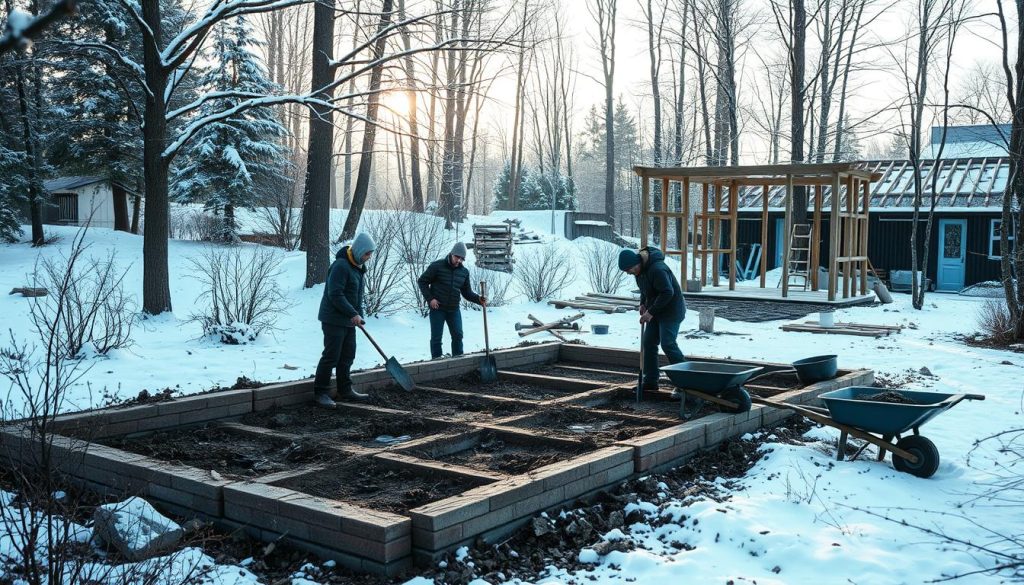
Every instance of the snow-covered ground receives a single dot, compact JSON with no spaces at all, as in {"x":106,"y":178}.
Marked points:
{"x":799,"y":517}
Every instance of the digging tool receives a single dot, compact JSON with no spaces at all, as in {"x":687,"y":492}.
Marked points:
{"x":640,"y":378}
{"x":488,"y":368}
{"x":392,"y":366}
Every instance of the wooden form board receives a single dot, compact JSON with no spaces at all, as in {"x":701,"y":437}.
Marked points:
{"x":848,"y":219}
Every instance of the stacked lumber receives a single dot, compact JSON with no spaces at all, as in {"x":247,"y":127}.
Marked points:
{"x":839,"y":328}
{"x":600,"y":302}
{"x":492,"y":244}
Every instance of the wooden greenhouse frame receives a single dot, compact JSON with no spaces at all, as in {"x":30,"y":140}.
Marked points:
{"x":719,"y":186}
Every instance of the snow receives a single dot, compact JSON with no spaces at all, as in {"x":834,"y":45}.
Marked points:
{"x":798,"y":516}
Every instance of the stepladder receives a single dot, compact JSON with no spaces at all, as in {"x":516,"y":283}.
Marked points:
{"x":799,"y":255}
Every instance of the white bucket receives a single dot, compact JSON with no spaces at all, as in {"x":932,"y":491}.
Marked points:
{"x":825,"y":319}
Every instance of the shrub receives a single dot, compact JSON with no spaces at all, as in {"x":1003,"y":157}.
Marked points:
{"x":601,"y":262}
{"x":241,"y":291}
{"x":385,"y":293}
{"x":996,"y":322}
{"x":543,"y":273}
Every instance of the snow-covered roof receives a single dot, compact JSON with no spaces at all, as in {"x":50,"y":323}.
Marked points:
{"x":963,"y":183}
{"x":76,"y":182}
{"x":985,"y":140}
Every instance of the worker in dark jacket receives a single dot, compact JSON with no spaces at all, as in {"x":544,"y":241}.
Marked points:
{"x":443,"y":284}
{"x":341,"y":311}
{"x":661,"y":307}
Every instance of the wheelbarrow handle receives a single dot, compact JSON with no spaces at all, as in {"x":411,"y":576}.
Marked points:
{"x":375,"y":346}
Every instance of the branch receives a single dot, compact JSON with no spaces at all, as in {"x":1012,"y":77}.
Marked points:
{"x":138,"y":72}
{"x":15,"y":35}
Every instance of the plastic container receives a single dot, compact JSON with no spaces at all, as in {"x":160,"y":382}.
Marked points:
{"x":599,"y":329}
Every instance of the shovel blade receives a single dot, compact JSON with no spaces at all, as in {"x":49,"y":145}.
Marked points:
{"x":399,"y":374}
{"x":488,"y":369}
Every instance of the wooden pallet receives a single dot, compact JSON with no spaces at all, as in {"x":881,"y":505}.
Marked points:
{"x":492,"y":245}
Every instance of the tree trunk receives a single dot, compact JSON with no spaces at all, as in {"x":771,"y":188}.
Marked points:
{"x":156,"y":291}
{"x":654,"y":54}
{"x":414,"y":139}
{"x":797,"y":58}
{"x":316,"y":213}
{"x":517,"y":119}
{"x":370,"y":131}
{"x":35,"y":190}
{"x":136,"y":213}
{"x":120,"y":201}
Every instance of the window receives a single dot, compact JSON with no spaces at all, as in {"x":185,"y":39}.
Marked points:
{"x":995,"y":233}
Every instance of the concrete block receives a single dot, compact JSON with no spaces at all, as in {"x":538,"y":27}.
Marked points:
{"x":489,"y":521}
{"x":449,"y":511}
{"x":423,"y":538}
{"x":600,"y":480}
{"x":509,"y":491}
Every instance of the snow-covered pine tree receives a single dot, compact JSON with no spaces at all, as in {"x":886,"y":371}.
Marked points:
{"x":13,"y":186}
{"x":239,"y":161}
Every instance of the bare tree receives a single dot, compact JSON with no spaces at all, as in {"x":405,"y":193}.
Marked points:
{"x":603,"y":13}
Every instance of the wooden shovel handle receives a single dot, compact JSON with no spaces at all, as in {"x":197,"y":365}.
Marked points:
{"x":487,"y":341}
{"x":377,"y":347}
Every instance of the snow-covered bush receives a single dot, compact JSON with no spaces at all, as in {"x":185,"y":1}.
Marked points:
{"x":601,"y":261}
{"x":240,"y":290}
{"x":385,"y":274}
{"x":86,"y":308}
{"x":543,"y":272}
{"x":191,"y":222}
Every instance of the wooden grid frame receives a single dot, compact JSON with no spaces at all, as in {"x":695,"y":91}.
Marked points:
{"x":848,"y":218}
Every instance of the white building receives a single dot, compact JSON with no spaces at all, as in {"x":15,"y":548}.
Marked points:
{"x":96,"y":200}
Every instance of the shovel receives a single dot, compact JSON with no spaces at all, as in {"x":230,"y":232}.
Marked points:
{"x":488,"y":369}
{"x":392,"y":366}
{"x":640,"y":377}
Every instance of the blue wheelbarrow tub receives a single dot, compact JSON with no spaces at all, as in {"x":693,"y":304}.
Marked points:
{"x":816,"y":369}
{"x":848,"y":406}
{"x":709,"y":377}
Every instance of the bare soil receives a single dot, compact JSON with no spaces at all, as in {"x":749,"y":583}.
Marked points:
{"x":658,"y":406}
{"x":784,"y":380}
{"x":427,"y":403}
{"x":504,"y":454}
{"x":364,"y":481}
{"x":346,"y":426}
{"x":230,"y":454}
{"x":890,"y":397}
{"x":506,"y":388}
{"x":590,"y":427}
{"x":626,"y":370}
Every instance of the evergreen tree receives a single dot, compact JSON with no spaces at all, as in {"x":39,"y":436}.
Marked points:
{"x":501,"y":187}
{"x":239,"y":161}
{"x":13,"y":186}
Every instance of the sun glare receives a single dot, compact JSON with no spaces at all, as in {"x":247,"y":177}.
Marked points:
{"x":396,"y":102}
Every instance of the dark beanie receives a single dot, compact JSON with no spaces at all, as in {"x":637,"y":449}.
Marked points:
{"x":628,"y":259}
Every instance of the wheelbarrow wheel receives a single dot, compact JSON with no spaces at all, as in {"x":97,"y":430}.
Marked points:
{"x":926,"y":452}
{"x":740,"y":396}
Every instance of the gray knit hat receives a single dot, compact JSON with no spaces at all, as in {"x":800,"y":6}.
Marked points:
{"x":459,"y":249}
{"x":361,"y":245}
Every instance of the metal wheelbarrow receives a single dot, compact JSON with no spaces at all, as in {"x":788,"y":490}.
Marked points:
{"x":714,"y":382}
{"x":882,"y":423}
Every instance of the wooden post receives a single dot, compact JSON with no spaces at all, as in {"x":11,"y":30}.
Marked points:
{"x":833,"y":237}
{"x":734,"y":196}
{"x":849,"y":236}
{"x":865,"y":209}
{"x":715,"y":255}
{"x":663,"y":224}
{"x":684,"y":205}
{"x":786,"y":230}
{"x":645,"y":203}
{"x":816,"y":238}
{"x":704,"y":235}
{"x":764,"y":234}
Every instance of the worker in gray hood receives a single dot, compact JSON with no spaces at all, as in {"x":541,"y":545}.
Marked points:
{"x":662,"y":308}
{"x":341,"y":311}
{"x":443,"y":284}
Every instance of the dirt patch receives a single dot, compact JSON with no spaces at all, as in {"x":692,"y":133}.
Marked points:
{"x":784,"y":380}
{"x":890,"y":397}
{"x":347,"y":426}
{"x":367,"y":482}
{"x":589,"y":427}
{"x":625,"y":402}
{"x":230,"y":454}
{"x":428,"y":403}
{"x":625,"y":370}
{"x":590,"y":376}
{"x":504,"y":454}
{"x":506,"y":388}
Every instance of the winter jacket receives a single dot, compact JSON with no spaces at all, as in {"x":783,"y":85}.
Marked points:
{"x":343,"y":293}
{"x":446,"y":283}
{"x":659,"y":289}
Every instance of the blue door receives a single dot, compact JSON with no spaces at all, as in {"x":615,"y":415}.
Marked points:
{"x":952,"y":254}
{"x":780,"y":240}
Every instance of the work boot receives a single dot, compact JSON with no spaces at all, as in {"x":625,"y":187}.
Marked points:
{"x":324,"y":401}
{"x":351,"y":394}
{"x":676,"y":394}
